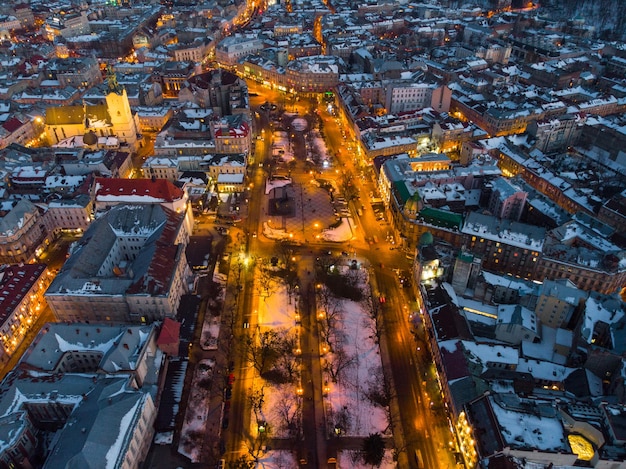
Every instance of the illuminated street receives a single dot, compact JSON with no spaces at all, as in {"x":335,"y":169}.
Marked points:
{"x":420,"y":421}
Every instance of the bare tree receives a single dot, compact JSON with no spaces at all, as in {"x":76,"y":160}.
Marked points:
{"x":374,"y":322}
{"x":286,"y":251}
{"x":324,"y":263}
{"x":376,"y":389}
{"x":262,"y":349}
{"x":289,"y":411}
{"x":292,"y":281}
{"x":267,"y":283}
{"x":287,"y":361}
{"x":256,"y":397}
{"x":341,"y":421}
{"x":379,"y":391}
{"x":349,"y":189}
{"x":337,"y":364}
{"x":242,"y":463}
{"x":330,"y":312}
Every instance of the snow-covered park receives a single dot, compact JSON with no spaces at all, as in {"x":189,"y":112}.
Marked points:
{"x":355,"y":397}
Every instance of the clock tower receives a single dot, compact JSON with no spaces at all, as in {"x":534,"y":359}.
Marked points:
{"x":123,"y":121}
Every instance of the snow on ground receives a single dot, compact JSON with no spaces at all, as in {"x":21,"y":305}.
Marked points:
{"x":342,"y":233}
{"x":210,"y":332}
{"x":281,"y":147}
{"x":164,"y":438}
{"x":194,"y":425}
{"x":320,"y":145}
{"x":349,"y":393}
{"x":275,"y":184}
{"x":354,"y":460}
{"x":277,"y":312}
{"x":278,"y":460}
{"x":274,"y":233}
{"x":299,"y":124}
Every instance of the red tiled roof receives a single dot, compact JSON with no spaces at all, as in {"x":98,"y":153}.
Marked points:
{"x":170,"y":332}
{"x":12,"y":124}
{"x":155,"y":188}
{"x":15,"y":283}
{"x":234,"y":132}
{"x":157,"y":280}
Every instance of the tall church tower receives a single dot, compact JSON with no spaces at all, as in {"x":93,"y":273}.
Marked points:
{"x":122,"y":119}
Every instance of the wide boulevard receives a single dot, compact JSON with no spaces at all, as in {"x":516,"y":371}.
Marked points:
{"x":419,"y":423}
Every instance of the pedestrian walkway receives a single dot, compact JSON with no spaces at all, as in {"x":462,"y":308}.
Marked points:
{"x":313,"y":210}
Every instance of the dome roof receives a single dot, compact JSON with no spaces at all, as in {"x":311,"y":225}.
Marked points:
{"x":413,"y":203}
{"x":90,"y":138}
{"x":426,"y":239}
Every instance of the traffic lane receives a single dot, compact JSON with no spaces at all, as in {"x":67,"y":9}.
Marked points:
{"x":415,"y":418}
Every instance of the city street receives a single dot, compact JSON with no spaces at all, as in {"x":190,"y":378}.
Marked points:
{"x":419,"y":420}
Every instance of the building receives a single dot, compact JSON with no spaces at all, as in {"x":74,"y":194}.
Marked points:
{"x":232,"y":134}
{"x":558,"y":301}
{"x":82,"y":73}
{"x":88,"y":391}
{"x":402,"y":97}
{"x":516,"y":324}
{"x":194,"y":51}
{"x":66,"y":25}
{"x":22,"y":232}
{"x":315,"y":74}
{"x":466,"y":271}
{"x":558,"y":133}
{"x":21,"y":303}
{"x":110,"y":192}
{"x":581,"y":252}
{"x":237,"y":46}
{"x":172,"y":75}
{"x":153,"y":119}
{"x":504,"y":245}
{"x":229,"y":183}
{"x":220,"y":91}
{"x":72,"y":215}
{"x":507,"y":199}
{"x":160,"y":167}
{"x":506,"y":424}
{"x":113,"y":118}
{"x":169,"y":337}
{"x":129,"y":266}
{"x":613,"y":212}
{"x":16,"y":130}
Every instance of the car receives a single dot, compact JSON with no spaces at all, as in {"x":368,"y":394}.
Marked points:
{"x":221,"y":464}
{"x":228,"y":393}
{"x":225,"y":423}
{"x":231,"y":379}
{"x":382,"y":299}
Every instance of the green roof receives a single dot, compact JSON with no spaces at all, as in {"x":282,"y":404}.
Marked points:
{"x":401,"y":192}
{"x":441,"y":218}
{"x":466,"y":256}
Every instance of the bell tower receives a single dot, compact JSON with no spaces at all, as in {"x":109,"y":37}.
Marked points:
{"x":122,"y":119}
